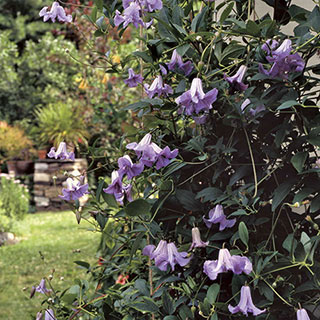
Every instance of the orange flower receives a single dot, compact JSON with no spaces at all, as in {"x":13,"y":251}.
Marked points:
{"x":83,"y":85}
{"x":122,"y":279}
{"x":116,"y":59}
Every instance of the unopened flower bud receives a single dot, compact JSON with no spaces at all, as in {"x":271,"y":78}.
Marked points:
{"x":50,"y":277}
{"x":200,"y":65}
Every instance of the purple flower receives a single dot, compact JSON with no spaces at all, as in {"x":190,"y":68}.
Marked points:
{"x":216,"y":215}
{"x":158,"y":87}
{"x":195,"y":100}
{"x":252,"y":111}
{"x":42,"y":287}
{"x":56,"y":12}
{"x":317,"y":164}
{"x":49,"y":315}
{"x":127,"y":167}
{"x":235,"y":81}
{"x":61,"y":153}
{"x":150,"y":153}
{"x":133,"y":79}
{"x":39,"y":316}
{"x":151,"y":5}
{"x":75,"y":189}
{"x":163,"y":70}
{"x":131,"y":14}
{"x":176,"y":59}
{"x":283,"y":61}
{"x":163,"y":158}
{"x":226,"y":262}
{"x":166,"y":254}
{"x":196,"y":240}
{"x":246,"y":304}
{"x":117,"y":188}
{"x":302,"y":314}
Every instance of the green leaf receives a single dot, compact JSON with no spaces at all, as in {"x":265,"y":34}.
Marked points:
{"x":315,"y":204}
{"x":143,"y":55}
{"x":212,"y":293}
{"x":110,"y":200}
{"x":183,"y":49}
{"x":167,"y":303}
{"x":102,"y":220}
{"x":94,"y":12}
{"x":243,"y":233}
{"x":99,"y":190}
{"x":137,"y":207}
{"x":199,"y":20}
{"x":252,"y":28}
{"x":148,"y":305}
{"x":142,"y":286}
{"x":136,"y":244}
{"x":287,"y":104}
{"x":209,"y":194}
{"x":298,"y":160}
{"x":226,"y":12}
{"x":99,"y":4}
{"x":83,"y":264}
{"x":280,"y":193}
{"x":170,"y":318}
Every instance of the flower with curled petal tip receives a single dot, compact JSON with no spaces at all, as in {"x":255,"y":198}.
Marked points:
{"x":133,"y":79}
{"x":216,"y":215}
{"x":61,"y":152}
{"x":158,"y":88}
{"x":235,"y":81}
{"x":166,"y":254}
{"x":176,"y":60}
{"x":195,"y":100}
{"x":246,"y":304}
{"x":269,"y":45}
{"x":127,"y":167}
{"x":75,"y":189}
{"x":42,"y":287}
{"x":196,"y":240}
{"x":56,"y":12}
{"x":164,"y":157}
{"x":302,"y":314}
{"x":226,"y":262}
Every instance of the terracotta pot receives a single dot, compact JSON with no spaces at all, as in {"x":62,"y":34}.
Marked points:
{"x":42,"y":154}
{"x":20,"y":167}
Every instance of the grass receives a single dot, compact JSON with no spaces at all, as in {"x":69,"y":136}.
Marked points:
{"x":61,"y":241}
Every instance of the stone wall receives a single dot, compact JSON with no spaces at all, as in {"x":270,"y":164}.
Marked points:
{"x":49,"y":179}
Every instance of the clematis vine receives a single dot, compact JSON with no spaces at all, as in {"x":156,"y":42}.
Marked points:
{"x":235,"y":81}
{"x":283,"y":62}
{"x":196,"y":240}
{"x":75,"y":189}
{"x":195,"y":100}
{"x":61,"y":152}
{"x":302,"y":314}
{"x":246,"y":304}
{"x":133,"y":79}
{"x":119,"y":190}
{"x":216,"y":215}
{"x":158,"y":88}
{"x":166,"y":254}
{"x":150,"y":153}
{"x":176,"y":60}
{"x":226,"y":262}
{"x":56,"y":12}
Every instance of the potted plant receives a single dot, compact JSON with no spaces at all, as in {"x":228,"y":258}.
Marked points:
{"x":16,"y":149}
{"x":61,"y":122}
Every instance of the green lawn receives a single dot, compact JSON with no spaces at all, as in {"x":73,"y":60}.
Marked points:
{"x":61,"y":241}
